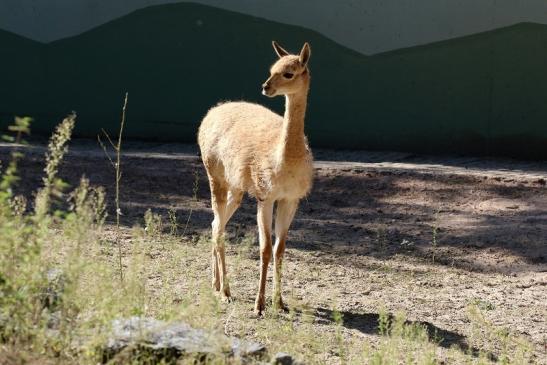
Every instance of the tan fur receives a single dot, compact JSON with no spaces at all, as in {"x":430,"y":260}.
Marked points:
{"x":246,"y":147}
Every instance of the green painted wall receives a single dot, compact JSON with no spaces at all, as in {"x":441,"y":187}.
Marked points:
{"x":484,"y":93}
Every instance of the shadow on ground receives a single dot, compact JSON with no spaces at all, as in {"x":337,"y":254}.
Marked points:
{"x":350,"y":211}
{"x":367,"y":323}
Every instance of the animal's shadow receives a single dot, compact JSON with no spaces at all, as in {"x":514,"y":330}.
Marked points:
{"x":369,"y":323}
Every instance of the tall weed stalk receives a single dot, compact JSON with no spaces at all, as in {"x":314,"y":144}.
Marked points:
{"x":118,"y":169}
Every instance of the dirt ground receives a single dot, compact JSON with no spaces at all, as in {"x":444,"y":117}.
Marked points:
{"x":425,"y":235}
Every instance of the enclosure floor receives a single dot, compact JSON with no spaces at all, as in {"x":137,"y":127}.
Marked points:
{"x":420,"y":234}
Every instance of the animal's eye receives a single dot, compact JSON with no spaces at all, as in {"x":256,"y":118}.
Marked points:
{"x":288,"y":75}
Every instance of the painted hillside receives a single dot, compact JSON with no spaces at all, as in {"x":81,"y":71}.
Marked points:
{"x":22,"y":76}
{"x":484,"y":93}
{"x":477,"y":94}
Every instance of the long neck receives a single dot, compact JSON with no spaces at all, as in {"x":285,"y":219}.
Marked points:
{"x":292,"y":138}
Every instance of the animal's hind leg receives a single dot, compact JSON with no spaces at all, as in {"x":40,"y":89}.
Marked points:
{"x":230,"y":206}
{"x":219,"y":194}
{"x":234,"y":200}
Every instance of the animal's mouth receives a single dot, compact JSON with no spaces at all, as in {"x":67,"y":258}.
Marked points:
{"x":270,"y":92}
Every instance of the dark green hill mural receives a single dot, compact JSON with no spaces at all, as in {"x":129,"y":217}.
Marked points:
{"x":479,"y":94}
{"x":485,"y":93}
{"x":21,"y":76}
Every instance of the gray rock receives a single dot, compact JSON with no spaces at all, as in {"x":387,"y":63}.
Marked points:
{"x":246,"y":349}
{"x":169,"y":341}
{"x":53,"y":292}
{"x":282,"y":358}
{"x":53,"y":319}
{"x":3,"y":322}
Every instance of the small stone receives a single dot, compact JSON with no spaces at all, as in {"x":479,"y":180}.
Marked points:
{"x":282,"y":358}
{"x":53,"y":292}
{"x":53,"y":319}
{"x":247,"y":348}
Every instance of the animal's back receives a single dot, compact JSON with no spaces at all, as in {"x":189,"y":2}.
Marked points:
{"x":236,"y":136}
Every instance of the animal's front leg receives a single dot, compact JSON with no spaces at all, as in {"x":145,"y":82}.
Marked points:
{"x":215,"y":282}
{"x":264,"y":220}
{"x":283,"y":218}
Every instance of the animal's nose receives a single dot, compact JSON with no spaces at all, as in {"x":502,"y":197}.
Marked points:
{"x":266,"y":85}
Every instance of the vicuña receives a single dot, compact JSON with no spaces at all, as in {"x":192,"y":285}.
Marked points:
{"x":246,"y":147}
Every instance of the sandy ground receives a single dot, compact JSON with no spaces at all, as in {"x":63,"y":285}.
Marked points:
{"x":426,"y":235}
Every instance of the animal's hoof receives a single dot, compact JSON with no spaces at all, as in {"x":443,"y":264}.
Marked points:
{"x":227,"y":299}
{"x":260,"y":306}
{"x":277,"y":303}
{"x":280,"y":306}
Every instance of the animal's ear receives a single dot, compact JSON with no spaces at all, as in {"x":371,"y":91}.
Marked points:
{"x":279,"y":50}
{"x":305,"y":54}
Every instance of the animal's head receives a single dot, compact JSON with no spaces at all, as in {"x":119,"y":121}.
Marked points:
{"x":289,"y":74}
